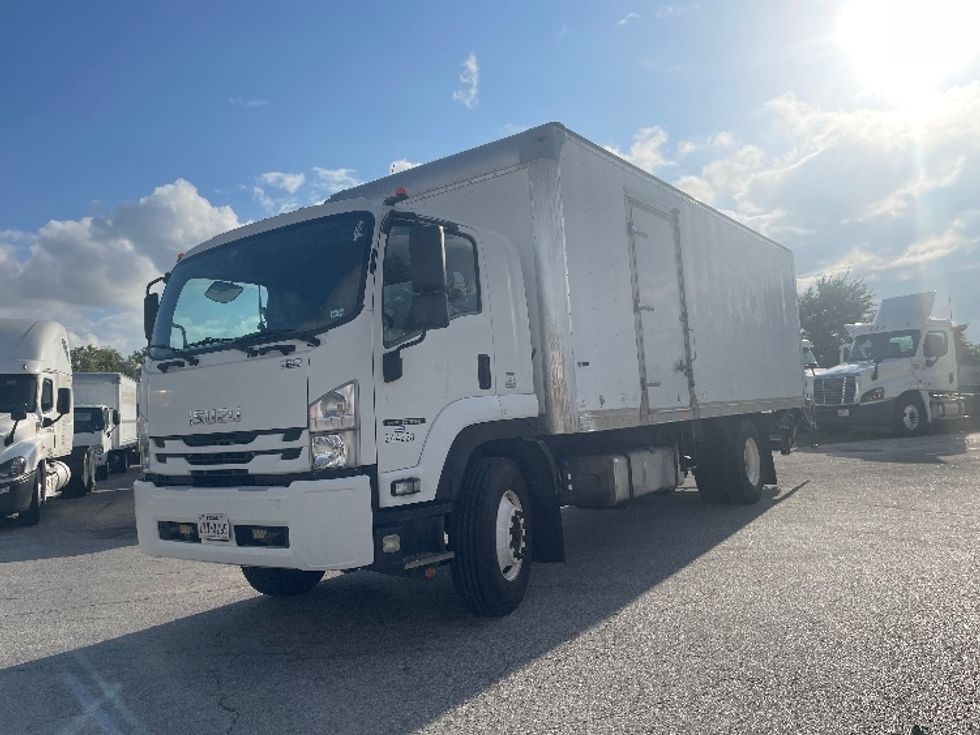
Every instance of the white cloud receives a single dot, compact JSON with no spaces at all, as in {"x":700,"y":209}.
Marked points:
{"x":672,"y":11}
{"x":469,"y":94}
{"x":285,"y":181}
{"x":646,"y":149}
{"x":401,"y":165}
{"x":248,"y":101}
{"x":627,"y":18}
{"x":332,"y":180}
{"x":89,"y":273}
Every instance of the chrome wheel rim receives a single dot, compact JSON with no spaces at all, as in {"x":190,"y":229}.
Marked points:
{"x":752,"y":461}
{"x":910,"y":417}
{"x":511,"y":535}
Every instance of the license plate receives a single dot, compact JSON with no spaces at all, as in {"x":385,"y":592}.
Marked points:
{"x":214,"y":528}
{"x":843,"y":412}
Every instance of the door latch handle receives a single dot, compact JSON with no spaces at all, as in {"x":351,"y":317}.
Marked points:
{"x":483,"y":371}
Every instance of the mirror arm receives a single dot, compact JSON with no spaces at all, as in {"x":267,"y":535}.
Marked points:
{"x":9,"y":438}
{"x":391,"y":361}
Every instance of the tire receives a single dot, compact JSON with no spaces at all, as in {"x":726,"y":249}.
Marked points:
{"x":745,"y":487}
{"x":83,"y":481}
{"x":492,"y":536}
{"x":709,"y":472}
{"x":281,"y":582}
{"x":32,"y":515}
{"x":730,"y":464}
{"x":910,"y":416}
{"x":102,"y":472}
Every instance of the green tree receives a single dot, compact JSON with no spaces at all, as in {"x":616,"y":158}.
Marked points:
{"x":967,"y":352}
{"x":826,"y":306}
{"x":95,"y":359}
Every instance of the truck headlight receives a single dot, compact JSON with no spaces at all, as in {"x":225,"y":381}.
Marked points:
{"x":333,"y":428}
{"x":875,"y":394}
{"x":13,"y":467}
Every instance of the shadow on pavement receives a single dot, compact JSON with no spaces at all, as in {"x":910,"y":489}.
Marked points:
{"x":929,"y":449}
{"x":72,"y":527}
{"x":362,"y":652}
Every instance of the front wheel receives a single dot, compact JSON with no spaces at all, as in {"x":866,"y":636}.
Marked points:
{"x":31,"y":516}
{"x":491,"y":538}
{"x":910,"y":416}
{"x":281,"y":582}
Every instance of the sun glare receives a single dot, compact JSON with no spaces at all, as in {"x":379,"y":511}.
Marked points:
{"x":905,"y":50}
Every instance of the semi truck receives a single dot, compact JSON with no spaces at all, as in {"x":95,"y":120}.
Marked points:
{"x":106,"y":420}
{"x":900,"y":371}
{"x":36,"y":457}
{"x":423,"y":370}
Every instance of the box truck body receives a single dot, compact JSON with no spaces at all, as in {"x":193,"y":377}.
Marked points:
{"x":528,"y":324}
{"x":115,"y":393}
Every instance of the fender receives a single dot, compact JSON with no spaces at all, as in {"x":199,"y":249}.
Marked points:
{"x":446,"y":427}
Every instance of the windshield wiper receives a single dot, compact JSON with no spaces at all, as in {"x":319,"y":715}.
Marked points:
{"x":247,"y":342}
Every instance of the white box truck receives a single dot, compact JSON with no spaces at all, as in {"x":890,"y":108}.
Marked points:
{"x":901,"y":371}
{"x":423,"y":370}
{"x":35,"y":417}
{"x":105,"y":406}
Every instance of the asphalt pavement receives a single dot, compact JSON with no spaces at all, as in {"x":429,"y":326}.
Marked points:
{"x":846,"y":601}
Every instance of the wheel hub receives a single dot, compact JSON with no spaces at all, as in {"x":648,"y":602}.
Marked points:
{"x":752,"y":461}
{"x":511,"y":536}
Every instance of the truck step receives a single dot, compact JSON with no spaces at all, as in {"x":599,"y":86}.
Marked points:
{"x":424,"y":560}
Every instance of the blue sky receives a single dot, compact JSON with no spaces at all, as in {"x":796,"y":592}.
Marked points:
{"x":133,"y":130}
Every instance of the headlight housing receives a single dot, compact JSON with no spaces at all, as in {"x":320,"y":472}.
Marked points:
{"x":333,"y":428}
{"x":13,"y":467}
{"x":876,"y":394}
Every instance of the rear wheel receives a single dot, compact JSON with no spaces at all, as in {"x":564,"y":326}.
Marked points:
{"x":102,"y":472}
{"x":730,"y":463}
{"x":910,"y":416}
{"x":491,"y":538}
{"x":281,"y":582}
{"x":32,"y":515}
{"x":82,"y":479}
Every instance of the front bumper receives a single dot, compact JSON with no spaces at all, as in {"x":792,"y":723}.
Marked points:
{"x":15,"y":495}
{"x":878,"y":413}
{"x":329,"y":522}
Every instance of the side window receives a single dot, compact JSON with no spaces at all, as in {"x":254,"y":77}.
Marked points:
{"x":47,"y":395}
{"x":462,"y":281}
{"x":462,"y":276}
{"x":936,"y":344}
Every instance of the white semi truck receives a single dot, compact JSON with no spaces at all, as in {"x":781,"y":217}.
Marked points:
{"x":35,"y":417}
{"x":900,"y":371}
{"x":105,"y":419}
{"x":424,"y":369}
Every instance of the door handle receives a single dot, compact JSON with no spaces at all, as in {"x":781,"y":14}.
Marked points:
{"x":483,"y":371}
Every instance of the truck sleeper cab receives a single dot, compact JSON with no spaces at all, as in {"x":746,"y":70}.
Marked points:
{"x":390,"y":382}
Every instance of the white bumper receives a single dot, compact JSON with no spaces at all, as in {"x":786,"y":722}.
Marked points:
{"x":329,"y":521}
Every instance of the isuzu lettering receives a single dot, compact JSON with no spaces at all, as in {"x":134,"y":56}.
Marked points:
{"x":423,"y":370}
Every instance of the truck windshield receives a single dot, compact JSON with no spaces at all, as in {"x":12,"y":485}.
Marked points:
{"x":877,"y":347}
{"x":88,"y":419}
{"x":18,"y":392}
{"x":302,"y":279}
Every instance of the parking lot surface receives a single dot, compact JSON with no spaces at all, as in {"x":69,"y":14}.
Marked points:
{"x":847,"y":600}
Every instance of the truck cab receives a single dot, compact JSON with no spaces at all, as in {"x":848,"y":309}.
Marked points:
{"x":900,"y":371}
{"x":94,"y":426}
{"x":36,"y":434}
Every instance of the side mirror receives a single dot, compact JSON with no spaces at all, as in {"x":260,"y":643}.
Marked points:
{"x":64,"y":400}
{"x":430,"y":301}
{"x":115,"y":417}
{"x":151,"y":305}
{"x":19,"y":414}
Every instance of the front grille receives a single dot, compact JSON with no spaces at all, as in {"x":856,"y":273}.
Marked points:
{"x":199,"y":459}
{"x":835,"y":391}
{"x":228,"y":438}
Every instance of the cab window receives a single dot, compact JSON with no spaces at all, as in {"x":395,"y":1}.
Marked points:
{"x":47,"y":395}
{"x":462,"y":282}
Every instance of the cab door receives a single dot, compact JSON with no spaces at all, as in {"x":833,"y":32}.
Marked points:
{"x":438,"y":367}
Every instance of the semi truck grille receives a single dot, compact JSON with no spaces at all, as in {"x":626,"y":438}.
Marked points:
{"x":836,"y":391}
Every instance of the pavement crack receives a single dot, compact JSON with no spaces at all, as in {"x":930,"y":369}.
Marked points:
{"x":235,"y":714}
